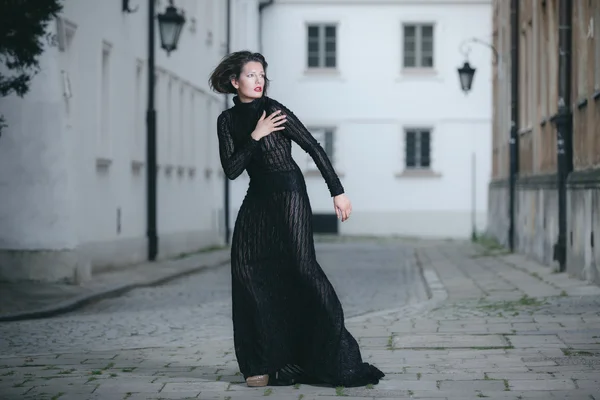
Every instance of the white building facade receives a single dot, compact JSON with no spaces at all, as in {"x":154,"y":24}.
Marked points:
{"x":73,"y":158}
{"x":376,"y":83}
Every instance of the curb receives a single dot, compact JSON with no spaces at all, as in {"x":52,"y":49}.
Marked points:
{"x":434,"y":286}
{"x":108,"y":292}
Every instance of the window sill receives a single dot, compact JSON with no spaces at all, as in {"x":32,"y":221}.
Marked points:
{"x":322,"y":73}
{"x":421,"y":73}
{"x":208,"y":172}
{"x":418,"y":173}
{"x":582,"y":103}
{"x":526,"y":131}
{"x":169,"y":169}
{"x":137,"y":165}
{"x":103,"y":162}
{"x":312,"y":173}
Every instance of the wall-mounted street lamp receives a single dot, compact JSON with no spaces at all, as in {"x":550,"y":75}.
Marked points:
{"x":466,"y":73}
{"x":170,"y":25}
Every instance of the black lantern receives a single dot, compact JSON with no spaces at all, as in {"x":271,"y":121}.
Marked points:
{"x":170,"y":24}
{"x":466,"y":74}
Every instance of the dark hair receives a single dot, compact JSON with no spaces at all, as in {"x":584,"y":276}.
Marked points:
{"x":230,"y":67}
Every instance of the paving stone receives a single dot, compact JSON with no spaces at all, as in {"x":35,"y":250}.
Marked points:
{"x":538,"y":384}
{"x":573,"y":395}
{"x":448,"y":341}
{"x":535,"y":341}
{"x":472,"y":386}
{"x":123,"y":387}
{"x":589,"y":384}
{"x":453,"y":376}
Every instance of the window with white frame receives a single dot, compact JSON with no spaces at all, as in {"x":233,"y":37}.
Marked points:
{"x":418,"y":46}
{"x":322,"y":46}
{"x":417,"y":148}
{"x":325,"y":138}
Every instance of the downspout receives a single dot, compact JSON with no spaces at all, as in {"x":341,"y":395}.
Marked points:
{"x":226,"y":180}
{"x":151,"y":181}
{"x":514,"y":116}
{"x":261,"y":7}
{"x":564,"y":127}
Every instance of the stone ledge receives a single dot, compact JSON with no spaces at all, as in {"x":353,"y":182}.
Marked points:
{"x":533,"y":182}
{"x":588,"y":179}
{"x":502,"y":183}
{"x":33,"y":265}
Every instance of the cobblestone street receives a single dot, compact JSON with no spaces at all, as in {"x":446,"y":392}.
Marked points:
{"x":368,"y":277}
{"x":493,"y":325}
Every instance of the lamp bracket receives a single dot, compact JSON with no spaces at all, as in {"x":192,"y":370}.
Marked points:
{"x":465,"y":48}
{"x":127,"y":9}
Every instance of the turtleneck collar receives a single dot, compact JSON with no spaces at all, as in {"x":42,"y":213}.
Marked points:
{"x":250,"y":105}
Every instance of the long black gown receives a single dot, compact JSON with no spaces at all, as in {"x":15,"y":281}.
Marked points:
{"x":287,"y":319}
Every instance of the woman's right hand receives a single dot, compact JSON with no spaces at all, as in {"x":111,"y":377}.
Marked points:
{"x":266,"y":125}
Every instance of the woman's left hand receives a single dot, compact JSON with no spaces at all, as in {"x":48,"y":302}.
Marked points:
{"x":342,"y":206}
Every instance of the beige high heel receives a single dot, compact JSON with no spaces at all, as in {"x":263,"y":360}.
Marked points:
{"x":257,"y":381}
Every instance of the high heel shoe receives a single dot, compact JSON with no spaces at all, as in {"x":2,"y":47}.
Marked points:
{"x":257,"y":381}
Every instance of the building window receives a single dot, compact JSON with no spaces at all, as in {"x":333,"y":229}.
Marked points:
{"x":139,"y":114}
{"x":583,"y":21}
{"x":418,"y":46}
{"x":417,"y":149}
{"x":544,"y":50}
{"x":105,"y":103}
{"x":322,"y":45}
{"x":325,"y":138}
{"x":170,"y":117}
{"x":596,"y":23}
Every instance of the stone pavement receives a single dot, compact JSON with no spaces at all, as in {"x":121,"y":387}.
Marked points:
{"x":20,"y":301}
{"x":368,"y":276}
{"x":496,"y":326}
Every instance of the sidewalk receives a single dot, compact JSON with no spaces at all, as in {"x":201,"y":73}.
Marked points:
{"x":499,"y":326}
{"x":496,"y":326}
{"x":39,"y":300}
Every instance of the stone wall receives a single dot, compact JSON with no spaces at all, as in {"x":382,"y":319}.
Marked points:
{"x":583,"y":225}
{"x":536,"y":220}
{"x":498,"y":219}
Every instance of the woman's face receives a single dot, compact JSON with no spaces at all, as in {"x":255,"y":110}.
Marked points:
{"x":251,"y":82}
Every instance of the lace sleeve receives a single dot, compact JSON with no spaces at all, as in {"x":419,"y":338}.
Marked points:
{"x":234,"y":158}
{"x":297,"y":132}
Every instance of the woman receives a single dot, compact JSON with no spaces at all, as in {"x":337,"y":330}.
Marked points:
{"x":287,"y":320}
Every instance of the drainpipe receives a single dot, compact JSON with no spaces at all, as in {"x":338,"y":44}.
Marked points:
{"x":226,"y":180}
{"x":514,"y":116}
{"x":151,"y":230}
{"x":261,"y":7}
{"x":564,"y":127}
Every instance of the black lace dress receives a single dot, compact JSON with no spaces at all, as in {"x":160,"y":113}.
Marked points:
{"x":287,"y":319}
